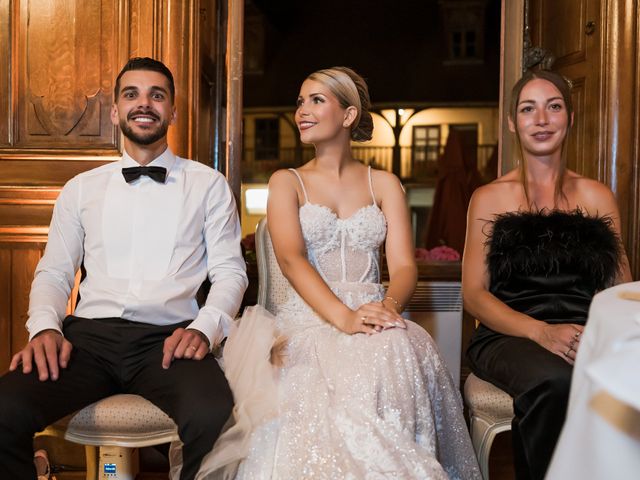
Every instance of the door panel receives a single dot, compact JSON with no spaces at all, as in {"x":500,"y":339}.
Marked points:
{"x":595,"y":42}
{"x":560,"y":27}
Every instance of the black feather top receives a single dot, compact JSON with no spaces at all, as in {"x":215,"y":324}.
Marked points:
{"x":549,"y":264}
{"x":552,"y":242}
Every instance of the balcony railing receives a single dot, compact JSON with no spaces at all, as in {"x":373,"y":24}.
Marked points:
{"x":418,"y":164}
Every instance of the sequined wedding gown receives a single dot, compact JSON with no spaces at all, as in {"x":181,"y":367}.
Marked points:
{"x":344,"y":406}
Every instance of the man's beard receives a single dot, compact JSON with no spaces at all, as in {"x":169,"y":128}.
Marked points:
{"x":144,"y":138}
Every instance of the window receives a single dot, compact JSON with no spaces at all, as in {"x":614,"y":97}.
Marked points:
{"x":267,"y":140}
{"x":464,"y":30}
{"x":426,"y":143}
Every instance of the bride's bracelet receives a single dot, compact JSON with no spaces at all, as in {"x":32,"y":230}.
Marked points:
{"x":397,"y":303}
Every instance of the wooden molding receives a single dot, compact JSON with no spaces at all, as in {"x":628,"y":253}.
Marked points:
{"x":620,"y":166}
{"x":511,"y":44}
{"x":235,"y":29}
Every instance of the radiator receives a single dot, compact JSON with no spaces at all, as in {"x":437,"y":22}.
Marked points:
{"x":437,"y":307}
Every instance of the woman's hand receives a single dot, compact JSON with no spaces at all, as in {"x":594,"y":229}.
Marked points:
{"x":370,"y":318}
{"x":563,"y":339}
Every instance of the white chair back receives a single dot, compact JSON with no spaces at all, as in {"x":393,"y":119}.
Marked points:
{"x":273,"y":288}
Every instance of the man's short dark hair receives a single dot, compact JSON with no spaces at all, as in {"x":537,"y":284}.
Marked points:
{"x":146,"y":63}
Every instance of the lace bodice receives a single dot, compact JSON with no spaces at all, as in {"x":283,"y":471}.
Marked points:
{"x":344,"y":249}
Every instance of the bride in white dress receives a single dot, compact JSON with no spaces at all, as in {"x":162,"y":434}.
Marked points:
{"x":356,"y":392}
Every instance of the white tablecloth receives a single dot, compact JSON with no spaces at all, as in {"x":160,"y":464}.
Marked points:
{"x":608,"y":363}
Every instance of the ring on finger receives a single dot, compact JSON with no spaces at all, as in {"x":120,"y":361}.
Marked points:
{"x":566,"y":354}
{"x":193,"y":347}
{"x":364,"y":318}
{"x":577,"y":335}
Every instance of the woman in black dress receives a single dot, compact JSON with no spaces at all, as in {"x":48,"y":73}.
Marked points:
{"x":541,"y":241}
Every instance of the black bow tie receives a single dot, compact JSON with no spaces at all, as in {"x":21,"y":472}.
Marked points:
{"x":156,"y":173}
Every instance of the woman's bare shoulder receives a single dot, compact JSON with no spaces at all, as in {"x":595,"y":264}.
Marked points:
{"x":584,"y":184}
{"x":383,"y":176}
{"x":594,"y":196}
{"x":281,"y":175}
{"x":283,"y":179}
{"x":384,"y":181}
{"x":502,"y":194}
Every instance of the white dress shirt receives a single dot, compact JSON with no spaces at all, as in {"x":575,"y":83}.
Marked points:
{"x":146,"y":247}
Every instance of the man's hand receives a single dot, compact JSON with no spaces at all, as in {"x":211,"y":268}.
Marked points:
{"x":184,"y":343}
{"x":49,"y":350}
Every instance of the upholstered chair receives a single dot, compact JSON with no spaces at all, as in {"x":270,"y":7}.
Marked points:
{"x":112,"y":429}
{"x":491,"y":412}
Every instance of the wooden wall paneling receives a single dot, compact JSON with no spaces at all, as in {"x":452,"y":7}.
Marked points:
{"x":179,"y":51}
{"x":619,"y":119}
{"x":511,"y":44}
{"x":5,"y":309}
{"x":5,"y":72}
{"x":633,"y":242}
{"x":22,"y":208}
{"x":576,"y":159}
{"x":210,"y":83}
{"x":144,"y":28}
{"x":23,"y":265}
{"x":28,"y":171}
{"x":233,"y":130}
{"x":61,"y":100}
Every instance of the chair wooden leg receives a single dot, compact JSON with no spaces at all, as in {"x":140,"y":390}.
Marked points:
{"x":483,"y":433}
{"x":481,"y":444}
{"x":91,"y":456}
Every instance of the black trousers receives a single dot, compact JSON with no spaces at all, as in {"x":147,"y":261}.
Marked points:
{"x":539,"y":383}
{"x":110,"y":356}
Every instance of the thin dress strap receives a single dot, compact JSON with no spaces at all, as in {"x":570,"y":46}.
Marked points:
{"x":373,"y":196}
{"x":304,"y":190}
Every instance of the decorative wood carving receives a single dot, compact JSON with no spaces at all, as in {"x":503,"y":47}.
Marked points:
{"x":534,"y":55}
{"x":64,"y":86}
{"x":564,"y":29}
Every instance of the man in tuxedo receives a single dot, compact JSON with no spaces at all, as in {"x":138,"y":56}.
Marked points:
{"x":148,"y":229}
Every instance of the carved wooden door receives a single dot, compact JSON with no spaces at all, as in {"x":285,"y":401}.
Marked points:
{"x":570,"y":30}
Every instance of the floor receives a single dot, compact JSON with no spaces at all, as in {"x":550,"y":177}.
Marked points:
{"x":501,"y":458}
{"x":500,"y":464}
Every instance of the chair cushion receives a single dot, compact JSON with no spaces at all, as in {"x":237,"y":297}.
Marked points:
{"x":485,"y":399}
{"x":122,"y":420}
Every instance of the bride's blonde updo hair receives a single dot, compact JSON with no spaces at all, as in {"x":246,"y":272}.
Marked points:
{"x":351,"y":91}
